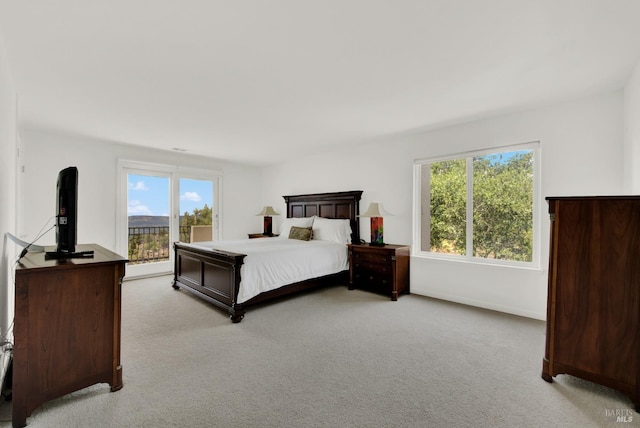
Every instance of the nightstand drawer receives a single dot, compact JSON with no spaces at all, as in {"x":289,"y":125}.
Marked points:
{"x":370,"y":279}
{"x":371,"y":257}
{"x":372,"y":266}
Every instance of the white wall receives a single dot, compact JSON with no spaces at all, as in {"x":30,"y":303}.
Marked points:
{"x":46,"y":153}
{"x":632,"y":132}
{"x":581,"y":154}
{"x":8,"y":144}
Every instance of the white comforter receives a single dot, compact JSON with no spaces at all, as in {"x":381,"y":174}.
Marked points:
{"x":273,"y":262}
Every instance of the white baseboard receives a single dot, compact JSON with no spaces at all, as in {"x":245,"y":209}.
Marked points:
{"x":484,"y":305}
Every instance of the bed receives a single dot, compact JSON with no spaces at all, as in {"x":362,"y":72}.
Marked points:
{"x":214,"y":271}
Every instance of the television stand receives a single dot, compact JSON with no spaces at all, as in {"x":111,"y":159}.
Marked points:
{"x":55,"y":255}
{"x":67,"y":327}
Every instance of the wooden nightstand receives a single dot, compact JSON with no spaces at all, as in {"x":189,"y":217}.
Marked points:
{"x":383,"y":269}
{"x":260,"y":235}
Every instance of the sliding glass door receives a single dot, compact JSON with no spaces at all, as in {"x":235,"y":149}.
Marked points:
{"x":196,"y":210}
{"x":159,"y":205}
{"x":148,"y":222}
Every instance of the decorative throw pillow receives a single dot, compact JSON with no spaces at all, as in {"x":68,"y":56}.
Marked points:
{"x":301,"y":233}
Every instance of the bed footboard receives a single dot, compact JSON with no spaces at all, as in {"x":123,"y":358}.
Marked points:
{"x":213,"y":275}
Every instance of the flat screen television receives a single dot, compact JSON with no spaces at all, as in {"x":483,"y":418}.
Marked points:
{"x":67,"y":210}
{"x":67,"y":217}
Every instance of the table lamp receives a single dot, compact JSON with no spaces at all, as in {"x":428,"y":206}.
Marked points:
{"x":374,"y":212}
{"x":267,"y":212}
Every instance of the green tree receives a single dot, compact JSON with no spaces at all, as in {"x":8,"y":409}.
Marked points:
{"x":502,"y":206}
{"x":199,"y":216}
{"x":448,"y":206}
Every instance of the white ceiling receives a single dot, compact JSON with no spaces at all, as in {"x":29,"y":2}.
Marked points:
{"x":259,"y":81}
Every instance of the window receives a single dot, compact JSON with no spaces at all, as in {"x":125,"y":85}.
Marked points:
{"x":161,"y":204}
{"x":196,"y":210}
{"x":479,"y":206}
{"x":148,"y":219}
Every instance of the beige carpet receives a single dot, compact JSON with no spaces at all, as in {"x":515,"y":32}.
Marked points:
{"x":330,"y":358}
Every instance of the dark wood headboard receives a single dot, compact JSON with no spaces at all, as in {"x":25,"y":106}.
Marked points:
{"x":328,"y":205}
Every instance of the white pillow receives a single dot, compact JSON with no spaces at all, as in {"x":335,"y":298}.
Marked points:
{"x":332,"y":229}
{"x":285,"y":226}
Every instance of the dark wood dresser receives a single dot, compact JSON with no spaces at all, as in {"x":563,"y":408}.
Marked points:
{"x":593,"y":307}
{"x":67,"y":327}
{"x":383,"y":269}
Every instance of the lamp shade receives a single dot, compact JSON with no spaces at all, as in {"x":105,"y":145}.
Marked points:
{"x":268,"y":210}
{"x":374,"y":210}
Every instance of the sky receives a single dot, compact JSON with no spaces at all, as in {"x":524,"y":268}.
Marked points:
{"x":503,"y":157}
{"x":149,"y":195}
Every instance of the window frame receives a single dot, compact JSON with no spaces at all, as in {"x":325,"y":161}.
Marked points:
{"x":419,"y":204}
{"x":174,"y":173}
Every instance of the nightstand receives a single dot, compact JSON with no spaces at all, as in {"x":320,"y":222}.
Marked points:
{"x":382,"y":269}
{"x":260,"y":235}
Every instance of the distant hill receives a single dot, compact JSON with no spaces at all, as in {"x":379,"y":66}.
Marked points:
{"x":148,"y":220}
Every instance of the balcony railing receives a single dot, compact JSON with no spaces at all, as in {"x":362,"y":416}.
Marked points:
{"x":151,"y":243}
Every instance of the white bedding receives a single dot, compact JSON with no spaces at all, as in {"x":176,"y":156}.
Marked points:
{"x":271,"y":262}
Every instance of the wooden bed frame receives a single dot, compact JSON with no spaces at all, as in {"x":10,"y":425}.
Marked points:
{"x":214,"y":275}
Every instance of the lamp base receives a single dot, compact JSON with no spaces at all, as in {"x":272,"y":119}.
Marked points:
{"x":267,"y":226}
{"x":376,"y":231}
